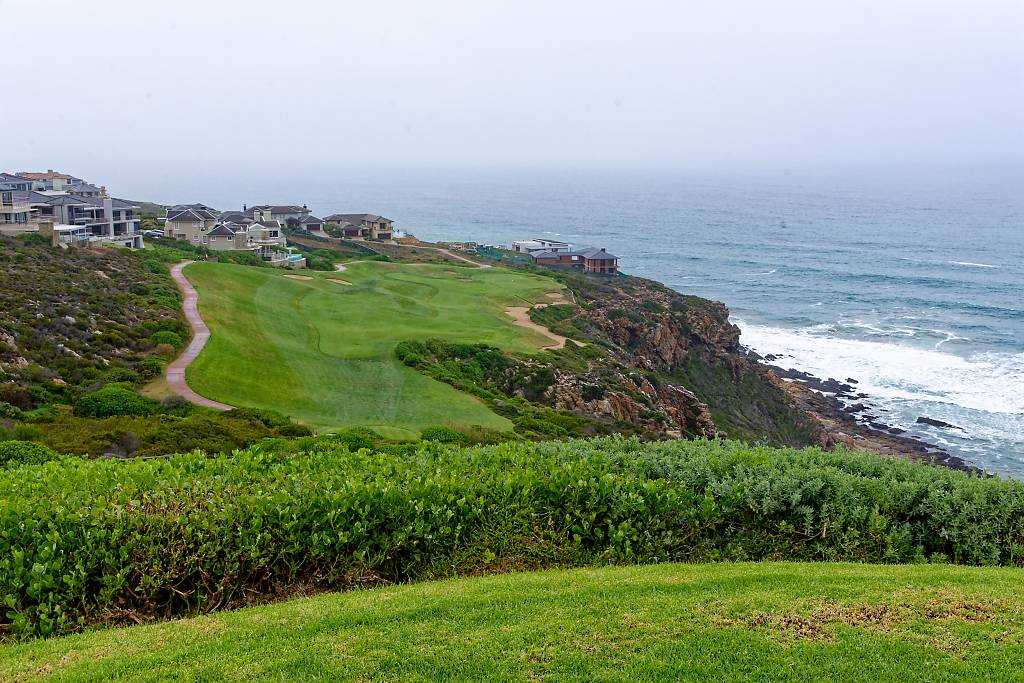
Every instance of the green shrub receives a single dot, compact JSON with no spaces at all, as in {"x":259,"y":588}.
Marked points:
{"x":114,"y":399}
{"x":355,"y":438}
{"x":166,"y":337}
{"x":150,"y":368}
{"x":83,"y":541}
{"x":9,"y":412}
{"x":444,"y":435}
{"x":14,"y":453}
{"x":653,"y":306}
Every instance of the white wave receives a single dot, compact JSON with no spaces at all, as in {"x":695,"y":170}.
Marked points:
{"x":767,"y":272}
{"x":987,"y":382}
{"x":969,"y":264}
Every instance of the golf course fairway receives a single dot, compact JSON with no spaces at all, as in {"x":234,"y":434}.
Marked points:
{"x":319,"y":346}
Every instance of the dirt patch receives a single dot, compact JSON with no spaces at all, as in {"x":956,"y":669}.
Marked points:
{"x":881,"y":618}
{"x":338,"y":281}
{"x":558,"y":297}
{"x":298,"y":277}
{"x":521,"y":317}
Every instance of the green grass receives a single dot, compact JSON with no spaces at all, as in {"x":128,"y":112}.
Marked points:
{"x":322,"y":352}
{"x":728,"y":622}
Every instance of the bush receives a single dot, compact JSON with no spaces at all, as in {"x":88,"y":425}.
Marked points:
{"x":150,"y":368}
{"x":443,"y":435}
{"x":9,"y":412}
{"x":114,"y":399}
{"x":99,"y":539}
{"x":14,"y":453}
{"x":355,"y":438}
{"x":166,"y":337}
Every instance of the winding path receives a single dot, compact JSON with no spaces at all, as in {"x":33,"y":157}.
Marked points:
{"x":200,"y":334}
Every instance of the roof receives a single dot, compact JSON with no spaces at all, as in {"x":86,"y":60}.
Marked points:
{"x":221,"y":231}
{"x":282,"y":209}
{"x":11,"y":178}
{"x":188,"y":215}
{"x":357,"y":218}
{"x":271,"y":223}
{"x":83,"y":187}
{"x":49,"y":175}
{"x":65,"y":199}
{"x":236,"y":215}
{"x":116,"y":203}
{"x":595,"y":254}
{"x":548,"y":254}
{"x":310,"y":219}
{"x":198,"y":207}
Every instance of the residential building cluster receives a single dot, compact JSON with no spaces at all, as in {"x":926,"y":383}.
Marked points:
{"x":559,"y":254}
{"x":261,"y":229}
{"x":67,"y":209}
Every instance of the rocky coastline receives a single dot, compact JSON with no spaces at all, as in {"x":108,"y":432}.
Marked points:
{"x":846,"y":416}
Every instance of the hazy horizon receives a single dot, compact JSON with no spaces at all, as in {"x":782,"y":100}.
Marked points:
{"x":113,"y":88}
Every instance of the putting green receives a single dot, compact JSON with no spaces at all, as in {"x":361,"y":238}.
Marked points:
{"x":321,"y":350}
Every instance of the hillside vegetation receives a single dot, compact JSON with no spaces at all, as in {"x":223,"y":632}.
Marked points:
{"x":85,"y":542}
{"x":75,"y":319}
{"x":321,"y":349}
{"x":726,"y":622}
{"x":80,"y":331}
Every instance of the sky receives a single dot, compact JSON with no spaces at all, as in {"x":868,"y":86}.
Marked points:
{"x":93,"y":86}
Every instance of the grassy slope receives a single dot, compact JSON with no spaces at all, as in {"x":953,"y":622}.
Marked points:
{"x":321,"y":352}
{"x":753,"y":621}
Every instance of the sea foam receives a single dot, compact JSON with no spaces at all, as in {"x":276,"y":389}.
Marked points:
{"x":987,"y":382}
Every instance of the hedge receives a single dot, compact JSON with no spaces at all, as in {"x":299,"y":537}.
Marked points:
{"x":14,"y":453}
{"x":106,"y":541}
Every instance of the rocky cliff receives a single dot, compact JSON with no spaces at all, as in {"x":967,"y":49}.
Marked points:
{"x":687,"y":351}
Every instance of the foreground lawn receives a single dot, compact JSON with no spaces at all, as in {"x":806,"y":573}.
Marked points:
{"x":322,"y":351}
{"x":756,"y":621}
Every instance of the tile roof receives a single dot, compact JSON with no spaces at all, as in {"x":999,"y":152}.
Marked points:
{"x":187,"y":215}
{"x":595,"y":254}
{"x":356,"y":218}
{"x":221,"y":230}
{"x":49,"y":175}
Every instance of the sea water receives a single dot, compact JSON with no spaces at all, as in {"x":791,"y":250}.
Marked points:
{"x":909,"y":281}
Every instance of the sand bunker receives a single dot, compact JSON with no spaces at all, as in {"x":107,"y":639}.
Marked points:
{"x":298,"y":277}
{"x":338,"y":281}
{"x":521,"y":317}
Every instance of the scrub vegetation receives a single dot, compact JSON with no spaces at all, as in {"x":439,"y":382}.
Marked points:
{"x":100,"y":541}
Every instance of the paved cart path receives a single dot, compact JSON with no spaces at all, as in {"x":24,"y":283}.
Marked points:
{"x":200,"y":334}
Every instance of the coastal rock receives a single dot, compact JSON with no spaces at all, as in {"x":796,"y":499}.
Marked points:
{"x":924,"y":420}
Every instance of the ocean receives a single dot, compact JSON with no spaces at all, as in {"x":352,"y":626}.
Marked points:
{"x":910,"y":281}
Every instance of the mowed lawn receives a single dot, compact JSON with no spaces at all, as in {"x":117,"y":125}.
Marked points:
{"x":322,"y":352}
{"x":722,"y":622}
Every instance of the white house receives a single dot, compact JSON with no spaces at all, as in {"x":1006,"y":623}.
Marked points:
{"x":537,"y":244}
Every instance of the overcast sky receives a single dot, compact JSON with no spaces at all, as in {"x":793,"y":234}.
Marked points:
{"x":89,"y":85}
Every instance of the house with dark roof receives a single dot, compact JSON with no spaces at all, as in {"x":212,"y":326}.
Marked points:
{"x":590,"y":260}
{"x":312,"y":224}
{"x":68,"y":205}
{"x":15,"y":182}
{"x":199,"y":207}
{"x":189,"y":224}
{"x":288,"y":215}
{"x":365,"y":225}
